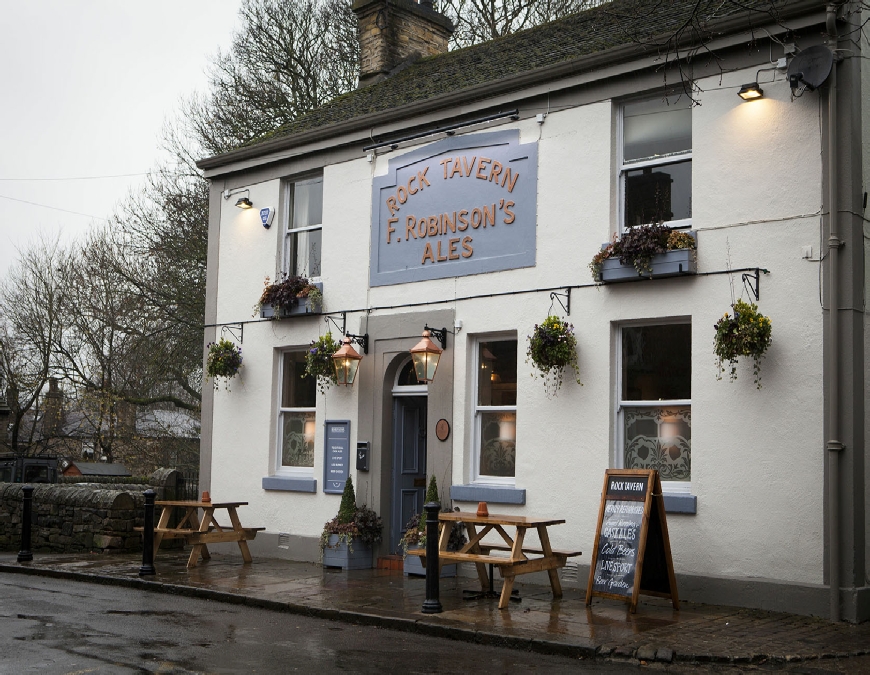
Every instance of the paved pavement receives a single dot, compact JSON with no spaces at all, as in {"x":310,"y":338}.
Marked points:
{"x":655,"y":634}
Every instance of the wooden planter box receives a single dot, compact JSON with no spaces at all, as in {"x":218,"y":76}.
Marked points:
{"x":302,"y":308}
{"x":337,"y":554}
{"x":413,"y":566}
{"x":668,"y":264}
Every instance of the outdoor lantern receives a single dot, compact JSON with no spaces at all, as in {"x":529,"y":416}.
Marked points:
{"x":426,"y":355}
{"x":244,"y":203}
{"x":346,"y":362}
{"x":751,"y":91}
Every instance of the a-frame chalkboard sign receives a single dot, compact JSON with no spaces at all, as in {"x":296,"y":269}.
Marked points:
{"x":632,"y":552}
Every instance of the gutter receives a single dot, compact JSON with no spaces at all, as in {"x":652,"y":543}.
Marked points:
{"x":610,"y":57}
{"x":832,"y":382}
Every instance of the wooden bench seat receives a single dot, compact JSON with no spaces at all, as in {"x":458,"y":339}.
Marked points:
{"x":528,"y":549}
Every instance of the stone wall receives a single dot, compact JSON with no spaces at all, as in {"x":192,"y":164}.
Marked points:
{"x":72,"y":519}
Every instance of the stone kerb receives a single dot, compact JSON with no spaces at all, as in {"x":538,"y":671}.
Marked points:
{"x":73,"y":518}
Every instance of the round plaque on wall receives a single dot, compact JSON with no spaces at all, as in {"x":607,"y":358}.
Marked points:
{"x":442,"y":429}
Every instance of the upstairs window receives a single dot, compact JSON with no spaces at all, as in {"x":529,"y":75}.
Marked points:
{"x":656,"y":169}
{"x":303,"y":232}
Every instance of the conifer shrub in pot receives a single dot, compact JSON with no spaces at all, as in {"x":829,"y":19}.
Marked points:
{"x":347,"y":539}
{"x":415,"y":537}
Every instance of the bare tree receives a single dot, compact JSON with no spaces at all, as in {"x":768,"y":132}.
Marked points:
{"x":31,"y":311}
{"x":478,"y":21}
{"x":288,"y":58}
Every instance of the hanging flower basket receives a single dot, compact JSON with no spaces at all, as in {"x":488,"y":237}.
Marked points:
{"x":318,"y":361}
{"x":224,"y":361}
{"x":746,"y":333}
{"x":552,"y":348}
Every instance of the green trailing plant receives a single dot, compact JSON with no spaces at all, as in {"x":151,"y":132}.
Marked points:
{"x":552,"y":348}
{"x":285,"y":293}
{"x":352,"y":523}
{"x":318,"y":361}
{"x":223,"y":362}
{"x":745,"y":333}
{"x":638,"y":245}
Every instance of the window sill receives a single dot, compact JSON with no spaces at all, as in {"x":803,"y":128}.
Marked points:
{"x":494,"y":494}
{"x":290,"y":483}
{"x":680,"y":503}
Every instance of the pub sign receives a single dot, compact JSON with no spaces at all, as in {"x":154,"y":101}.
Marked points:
{"x":463,"y":205}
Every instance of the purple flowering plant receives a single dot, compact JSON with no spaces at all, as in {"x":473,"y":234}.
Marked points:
{"x":224,"y":360}
{"x":318,"y":361}
{"x":552,"y":348}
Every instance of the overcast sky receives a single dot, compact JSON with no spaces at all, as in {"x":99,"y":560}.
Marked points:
{"x":88,"y":86}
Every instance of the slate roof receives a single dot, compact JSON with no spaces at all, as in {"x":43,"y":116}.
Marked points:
{"x":100,"y":469}
{"x":599,"y":31}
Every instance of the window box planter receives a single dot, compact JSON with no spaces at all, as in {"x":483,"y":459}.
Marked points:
{"x":337,"y":554}
{"x":303,"y":307}
{"x":679,"y":262}
{"x":413,"y":566}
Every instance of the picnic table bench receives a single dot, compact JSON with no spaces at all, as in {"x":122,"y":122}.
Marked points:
{"x":200,"y":532}
{"x":518,"y":562}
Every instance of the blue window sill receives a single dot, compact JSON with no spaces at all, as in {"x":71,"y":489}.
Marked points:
{"x":290,"y":484}
{"x":494,"y":494}
{"x":680,"y":503}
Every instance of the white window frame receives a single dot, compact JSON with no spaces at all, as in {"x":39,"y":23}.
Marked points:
{"x":290,"y":231}
{"x":670,"y":486}
{"x":280,"y":469}
{"x":663,"y":160}
{"x":477,"y":477}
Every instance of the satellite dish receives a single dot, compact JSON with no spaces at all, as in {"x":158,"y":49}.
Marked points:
{"x":811,"y":67}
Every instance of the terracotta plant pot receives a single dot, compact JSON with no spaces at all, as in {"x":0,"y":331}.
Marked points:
{"x":482,"y":510}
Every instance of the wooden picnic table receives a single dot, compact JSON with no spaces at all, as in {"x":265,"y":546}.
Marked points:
{"x":200,"y":532}
{"x":520,"y":558}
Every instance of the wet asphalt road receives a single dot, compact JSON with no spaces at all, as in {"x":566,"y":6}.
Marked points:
{"x":54,"y":626}
{"x":57,"y":626}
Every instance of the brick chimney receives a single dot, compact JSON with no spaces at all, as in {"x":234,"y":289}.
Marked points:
{"x":393,"y":33}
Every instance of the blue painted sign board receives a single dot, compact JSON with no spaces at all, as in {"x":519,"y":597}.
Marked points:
{"x":464,"y":205}
{"x":336,"y":464}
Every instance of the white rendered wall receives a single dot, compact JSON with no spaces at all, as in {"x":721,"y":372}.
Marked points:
{"x":757,"y":465}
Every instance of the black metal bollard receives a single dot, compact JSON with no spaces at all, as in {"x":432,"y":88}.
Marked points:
{"x":26,"y":519}
{"x":148,"y":536}
{"x":432,"y":604}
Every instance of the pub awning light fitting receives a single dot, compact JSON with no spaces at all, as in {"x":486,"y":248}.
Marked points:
{"x":346,"y":359}
{"x":426,"y":354}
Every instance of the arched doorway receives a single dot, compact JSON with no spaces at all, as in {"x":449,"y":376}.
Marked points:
{"x":409,"y":451}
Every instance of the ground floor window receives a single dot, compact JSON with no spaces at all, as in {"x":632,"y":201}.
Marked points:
{"x":655,"y":400}
{"x":495,"y":412}
{"x":296,"y":417}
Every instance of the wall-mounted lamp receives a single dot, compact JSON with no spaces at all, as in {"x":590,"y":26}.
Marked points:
{"x":244,"y":203}
{"x":426,"y":354}
{"x":346,"y":359}
{"x":750,"y":92}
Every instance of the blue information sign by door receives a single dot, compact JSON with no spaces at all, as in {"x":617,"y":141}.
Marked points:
{"x":336,"y":463}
